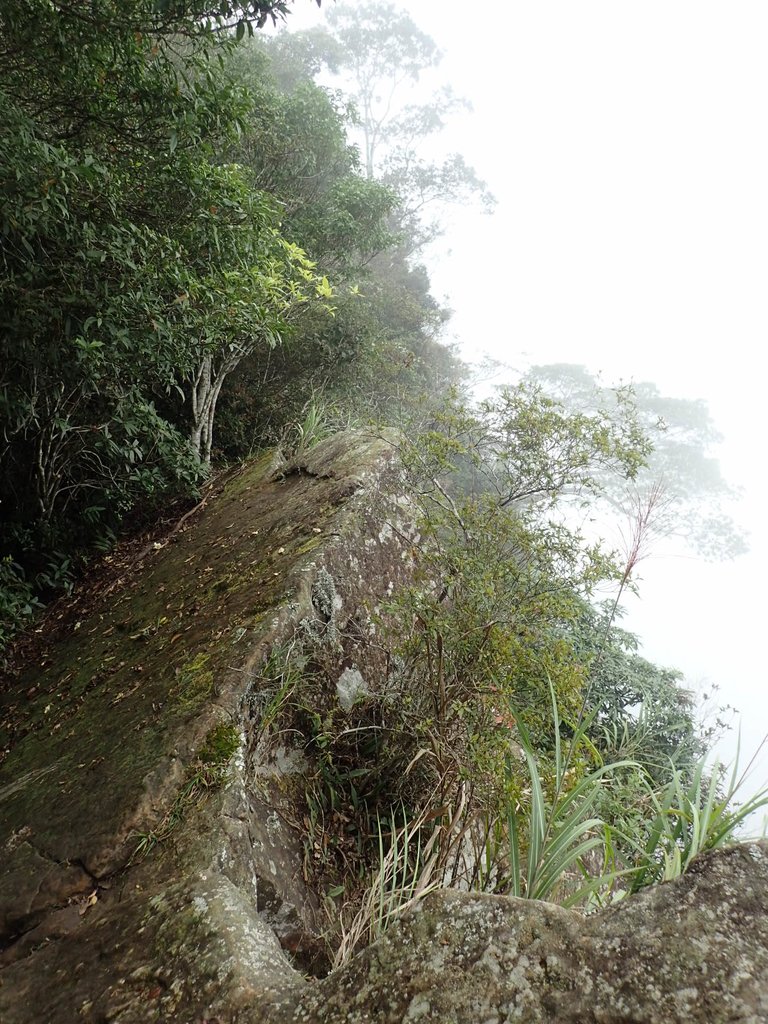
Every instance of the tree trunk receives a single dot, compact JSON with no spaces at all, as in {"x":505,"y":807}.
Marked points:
{"x":206,"y":388}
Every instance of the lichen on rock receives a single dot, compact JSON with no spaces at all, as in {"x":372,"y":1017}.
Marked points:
{"x":350,"y":687}
{"x":693,"y":951}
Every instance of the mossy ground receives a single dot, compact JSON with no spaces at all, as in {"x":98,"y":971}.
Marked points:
{"x":207,"y":773}
{"x":132,"y":683}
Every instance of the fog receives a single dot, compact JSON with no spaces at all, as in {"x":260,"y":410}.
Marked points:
{"x":626,"y":148}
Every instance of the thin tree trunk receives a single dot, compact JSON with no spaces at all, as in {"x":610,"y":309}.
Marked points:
{"x":206,"y":388}
{"x":207,"y":435}
{"x":201,"y":388}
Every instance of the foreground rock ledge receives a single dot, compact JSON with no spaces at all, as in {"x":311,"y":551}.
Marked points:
{"x":694,"y":950}
{"x":164,"y":663}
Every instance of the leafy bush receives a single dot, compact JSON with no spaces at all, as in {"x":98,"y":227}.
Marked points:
{"x":517,"y":743}
{"x":18,"y":602}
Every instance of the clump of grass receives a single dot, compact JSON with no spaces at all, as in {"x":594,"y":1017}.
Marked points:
{"x":693,"y":816}
{"x":318,"y":421}
{"x":560,"y":832}
{"x":406,"y":872}
{"x":690,"y":816}
{"x":208,"y":772}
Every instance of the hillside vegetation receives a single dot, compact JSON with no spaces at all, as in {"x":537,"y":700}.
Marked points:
{"x":213,"y":243}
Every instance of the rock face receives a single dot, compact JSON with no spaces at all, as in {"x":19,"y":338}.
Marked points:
{"x":135,"y":887}
{"x":113,"y":866}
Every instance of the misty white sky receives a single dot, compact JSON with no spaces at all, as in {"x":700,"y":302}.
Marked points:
{"x":626,"y":145}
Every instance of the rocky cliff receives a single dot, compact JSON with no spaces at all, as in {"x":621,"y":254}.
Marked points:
{"x":152,"y":854}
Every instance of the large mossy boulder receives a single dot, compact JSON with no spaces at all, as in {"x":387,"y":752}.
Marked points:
{"x":153,"y":845}
{"x":116,"y":736}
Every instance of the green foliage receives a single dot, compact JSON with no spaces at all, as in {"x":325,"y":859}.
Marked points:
{"x":692,"y":814}
{"x":638,"y":709}
{"x":90,"y":277}
{"x":499,"y":584}
{"x":507,"y":577}
{"x":679,"y":814}
{"x":490,"y":484}
{"x":136,"y":271}
{"x":515,"y":741}
{"x":175,"y":207}
{"x":293,"y":144}
{"x":18,"y":602}
{"x":562,"y":831}
{"x":379,"y":355}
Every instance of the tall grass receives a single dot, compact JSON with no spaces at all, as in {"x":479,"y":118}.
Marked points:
{"x":406,"y":873}
{"x":692,"y":817}
{"x":319,"y":420}
{"x":562,"y":831}
{"x":689,"y":816}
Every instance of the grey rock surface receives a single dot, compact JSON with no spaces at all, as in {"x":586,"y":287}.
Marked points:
{"x":692,"y":951}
